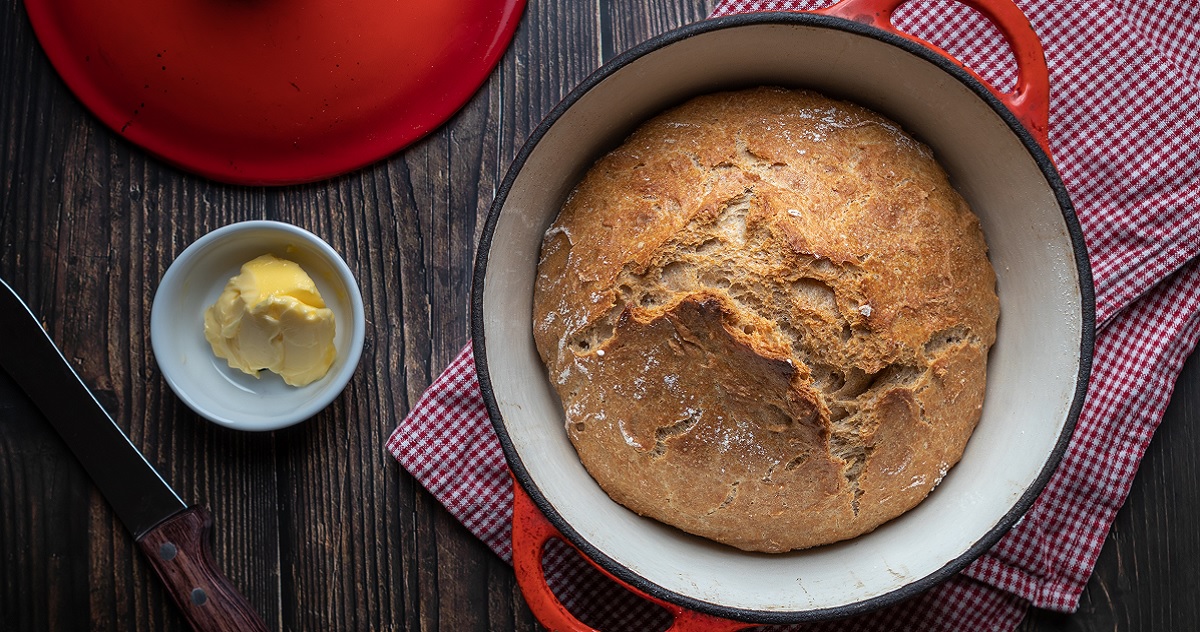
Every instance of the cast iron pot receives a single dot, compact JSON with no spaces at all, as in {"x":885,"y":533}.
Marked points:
{"x":994,"y":146}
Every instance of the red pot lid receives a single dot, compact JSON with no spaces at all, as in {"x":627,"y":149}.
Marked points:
{"x":274,"y":91}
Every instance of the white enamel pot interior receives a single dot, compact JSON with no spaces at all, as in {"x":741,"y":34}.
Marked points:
{"x":1037,"y":370}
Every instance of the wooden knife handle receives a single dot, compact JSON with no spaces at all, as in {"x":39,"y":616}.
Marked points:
{"x":178,"y":549}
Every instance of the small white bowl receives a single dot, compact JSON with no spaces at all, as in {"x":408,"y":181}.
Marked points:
{"x":206,"y":383}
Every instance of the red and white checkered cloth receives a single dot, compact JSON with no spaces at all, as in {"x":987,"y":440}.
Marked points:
{"x":1125,"y":86}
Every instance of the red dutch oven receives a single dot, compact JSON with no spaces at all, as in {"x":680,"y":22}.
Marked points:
{"x":994,"y":146}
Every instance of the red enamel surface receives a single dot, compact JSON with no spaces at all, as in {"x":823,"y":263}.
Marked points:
{"x":531,"y":532}
{"x":1029,"y":101}
{"x":273,"y":92}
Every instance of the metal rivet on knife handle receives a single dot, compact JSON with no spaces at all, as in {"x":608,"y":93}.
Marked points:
{"x":206,"y":598}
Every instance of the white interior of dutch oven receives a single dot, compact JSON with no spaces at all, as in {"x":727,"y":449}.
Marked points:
{"x":1033,"y":367}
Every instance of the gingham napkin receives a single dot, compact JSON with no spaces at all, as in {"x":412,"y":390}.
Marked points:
{"x":1125,"y":86}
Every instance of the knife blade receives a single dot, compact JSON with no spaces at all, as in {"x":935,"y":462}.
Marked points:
{"x":173,"y":536}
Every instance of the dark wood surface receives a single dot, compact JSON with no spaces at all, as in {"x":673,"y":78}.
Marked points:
{"x":316,"y":524}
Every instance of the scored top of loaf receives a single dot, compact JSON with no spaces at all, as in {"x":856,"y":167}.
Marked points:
{"x":767,"y":315}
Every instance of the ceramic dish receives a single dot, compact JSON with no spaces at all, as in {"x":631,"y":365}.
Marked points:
{"x":205,"y":382}
{"x":992,"y":144}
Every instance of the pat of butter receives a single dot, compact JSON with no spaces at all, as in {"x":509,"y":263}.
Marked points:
{"x":271,"y":316}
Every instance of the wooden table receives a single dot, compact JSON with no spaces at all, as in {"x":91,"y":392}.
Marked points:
{"x":316,"y":524}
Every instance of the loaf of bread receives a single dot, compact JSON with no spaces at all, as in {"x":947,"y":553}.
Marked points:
{"x":767,"y":315}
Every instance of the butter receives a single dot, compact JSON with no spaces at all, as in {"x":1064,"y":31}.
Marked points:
{"x":271,"y":316}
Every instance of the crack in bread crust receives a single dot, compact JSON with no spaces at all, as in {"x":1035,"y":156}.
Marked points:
{"x":767,"y":315}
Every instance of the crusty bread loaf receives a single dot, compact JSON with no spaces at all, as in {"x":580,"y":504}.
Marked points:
{"x":767,"y":315}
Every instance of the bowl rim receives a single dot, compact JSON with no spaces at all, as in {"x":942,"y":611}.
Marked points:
{"x":918,"y":585}
{"x":338,"y":380}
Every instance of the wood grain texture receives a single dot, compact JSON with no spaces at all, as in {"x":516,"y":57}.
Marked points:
{"x":315,"y":524}
{"x":178,"y":551}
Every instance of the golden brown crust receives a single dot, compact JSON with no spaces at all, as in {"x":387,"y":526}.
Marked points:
{"x":767,"y":314}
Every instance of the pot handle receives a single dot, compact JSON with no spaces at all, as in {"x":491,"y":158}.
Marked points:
{"x":1030,"y":99}
{"x":530,"y":533}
